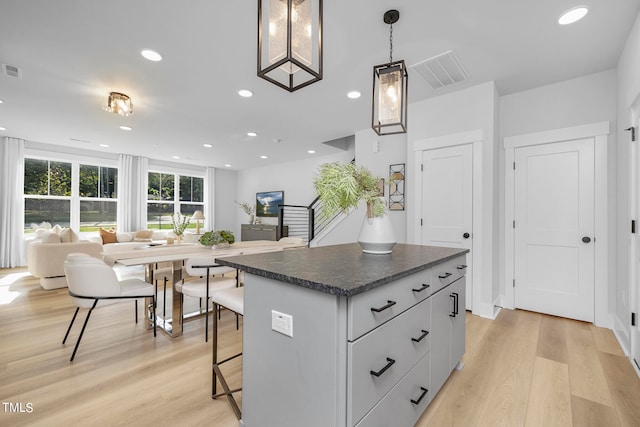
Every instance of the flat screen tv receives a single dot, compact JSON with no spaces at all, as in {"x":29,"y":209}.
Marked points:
{"x":267,"y":203}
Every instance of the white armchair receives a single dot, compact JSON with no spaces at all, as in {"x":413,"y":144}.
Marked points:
{"x":93,"y":283}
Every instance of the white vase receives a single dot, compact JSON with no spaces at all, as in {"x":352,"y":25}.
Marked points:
{"x":376,"y":235}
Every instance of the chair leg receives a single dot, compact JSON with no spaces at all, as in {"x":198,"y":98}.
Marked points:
{"x":75,"y":349}
{"x":70,"y":325}
{"x":164,"y":299}
{"x":214,"y":341}
{"x":135,"y":302}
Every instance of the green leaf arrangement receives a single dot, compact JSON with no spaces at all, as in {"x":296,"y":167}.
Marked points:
{"x":211,"y":238}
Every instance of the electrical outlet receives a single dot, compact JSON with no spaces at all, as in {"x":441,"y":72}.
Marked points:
{"x":282,"y":323}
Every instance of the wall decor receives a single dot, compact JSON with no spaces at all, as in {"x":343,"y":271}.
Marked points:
{"x":396,"y":187}
{"x":267,"y":203}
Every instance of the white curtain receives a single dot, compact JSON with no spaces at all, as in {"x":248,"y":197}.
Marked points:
{"x":209,"y":199}
{"x":132,"y":192}
{"x":11,"y":203}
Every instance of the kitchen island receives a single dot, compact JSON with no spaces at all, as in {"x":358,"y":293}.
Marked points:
{"x":336,"y":337}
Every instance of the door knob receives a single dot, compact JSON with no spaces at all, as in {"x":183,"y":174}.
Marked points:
{"x":466,"y":235}
{"x":586,"y":239}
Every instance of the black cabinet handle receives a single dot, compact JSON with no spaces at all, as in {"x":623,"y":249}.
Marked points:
{"x":456,"y":300}
{"x":454,"y":296}
{"x":466,"y":235}
{"x":586,"y":239}
{"x":390,"y":362}
{"x":421,"y":337}
{"x":461,"y":267}
{"x":384,"y":307}
{"x":424,"y":286}
{"x":444,"y":276}
{"x":422,"y":395}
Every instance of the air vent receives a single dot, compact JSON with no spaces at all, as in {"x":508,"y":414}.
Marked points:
{"x":11,"y":71}
{"x":441,"y":70}
{"x":84,"y":141}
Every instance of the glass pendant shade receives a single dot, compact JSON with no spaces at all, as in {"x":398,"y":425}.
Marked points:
{"x":290,"y":42}
{"x":390,"y":85}
{"x":119,"y":103}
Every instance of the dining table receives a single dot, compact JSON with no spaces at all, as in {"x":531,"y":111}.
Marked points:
{"x":150,"y":255}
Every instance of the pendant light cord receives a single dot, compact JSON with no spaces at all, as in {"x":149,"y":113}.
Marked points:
{"x":390,"y":43}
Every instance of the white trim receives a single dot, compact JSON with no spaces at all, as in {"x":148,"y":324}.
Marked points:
{"x":557,"y":135}
{"x":476,"y":138}
{"x":598,"y":132}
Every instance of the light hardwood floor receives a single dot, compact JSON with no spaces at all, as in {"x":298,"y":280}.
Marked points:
{"x":522,"y":369}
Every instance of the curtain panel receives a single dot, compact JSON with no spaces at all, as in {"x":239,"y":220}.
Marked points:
{"x":11,"y":203}
{"x":132,"y":192}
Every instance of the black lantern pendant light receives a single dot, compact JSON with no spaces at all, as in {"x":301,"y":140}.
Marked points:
{"x":390,"y":84}
{"x":290,"y":42}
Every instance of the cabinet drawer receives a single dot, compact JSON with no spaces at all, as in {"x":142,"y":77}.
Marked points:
{"x":406,"y":402}
{"x":389,"y":351}
{"x":375,"y":307}
{"x":448,"y":272}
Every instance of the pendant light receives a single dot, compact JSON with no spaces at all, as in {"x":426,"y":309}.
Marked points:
{"x":290,"y":42}
{"x":390,"y":84}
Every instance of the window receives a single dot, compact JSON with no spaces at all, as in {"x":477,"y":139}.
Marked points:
{"x":172,"y":193}
{"x":47,"y":192}
{"x":98,"y":197}
{"x":51,"y":194}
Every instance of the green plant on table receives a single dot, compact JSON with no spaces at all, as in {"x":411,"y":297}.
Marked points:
{"x":180,"y":223}
{"x":341,"y":187}
{"x":211,"y":238}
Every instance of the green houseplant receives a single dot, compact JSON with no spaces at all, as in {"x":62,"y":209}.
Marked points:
{"x":341,"y":187}
{"x":212,"y":238}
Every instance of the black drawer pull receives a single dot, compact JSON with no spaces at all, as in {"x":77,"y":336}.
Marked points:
{"x":424,"y":286}
{"x":421,"y":337}
{"x":390,"y":362}
{"x":461,"y":267}
{"x":384,"y":307}
{"x":424,"y":393}
{"x":444,"y":276}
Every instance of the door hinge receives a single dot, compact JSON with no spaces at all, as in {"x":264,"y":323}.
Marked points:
{"x":514,"y":283}
{"x":514,"y":223}
{"x":633,"y":226}
{"x":633,"y":319}
{"x":514,"y":165}
{"x":420,"y":222}
{"x":422,"y":167}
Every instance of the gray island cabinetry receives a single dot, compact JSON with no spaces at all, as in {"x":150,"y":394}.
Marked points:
{"x":335,"y":337}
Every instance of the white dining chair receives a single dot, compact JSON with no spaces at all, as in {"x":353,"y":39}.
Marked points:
{"x":207,"y":281}
{"x":92,"y":283}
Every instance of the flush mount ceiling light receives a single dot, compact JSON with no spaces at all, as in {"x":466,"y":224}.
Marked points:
{"x":290,"y":42}
{"x":119,"y":103}
{"x":573,"y":15}
{"x":390,"y":84}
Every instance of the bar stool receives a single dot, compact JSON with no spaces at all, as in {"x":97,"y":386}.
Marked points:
{"x":232,"y":299}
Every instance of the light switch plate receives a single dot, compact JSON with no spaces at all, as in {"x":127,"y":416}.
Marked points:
{"x":282,"y":323}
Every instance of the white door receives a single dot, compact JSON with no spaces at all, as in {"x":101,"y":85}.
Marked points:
{"x":447,"y":202}
{"x":634,"y":241}
{"x":554,"y":223}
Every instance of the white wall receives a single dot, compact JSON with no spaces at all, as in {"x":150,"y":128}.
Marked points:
{"x":294,"y":178}
{"x":628,"y":74}
{"x":467,"y":110}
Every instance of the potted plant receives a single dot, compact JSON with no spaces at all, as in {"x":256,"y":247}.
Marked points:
{"x":217,"y":238}
{"x":341,"y":187}
{"x":248,"y":209}
{"x":180,"y":223}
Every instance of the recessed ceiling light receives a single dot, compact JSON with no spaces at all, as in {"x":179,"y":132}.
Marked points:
{"x":573,"y":15}
{"x":263,"y":157}
{"x":104,"y":145}
{"x":175,"y":157}
{"x":252,"y":134}
{"x":207,"y":145}
{"x":311,"y":151}
{"x":227,"y":165}
{"x":245,"y":93}
{"x":126,"y":128}
{"x":354,"y":94}
{"x":3,"y":128}
{"x":151,"y":55}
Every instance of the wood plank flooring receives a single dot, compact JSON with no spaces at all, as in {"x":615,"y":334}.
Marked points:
{"x":522,"y":369}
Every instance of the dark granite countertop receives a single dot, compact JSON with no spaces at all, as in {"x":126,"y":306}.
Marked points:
{"x":341,"y":269}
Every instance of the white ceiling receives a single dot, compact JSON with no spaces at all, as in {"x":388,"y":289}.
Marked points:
{"x":74,"y":52}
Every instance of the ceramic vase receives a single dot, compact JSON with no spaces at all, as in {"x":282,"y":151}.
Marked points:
{"x":376,"y":235}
